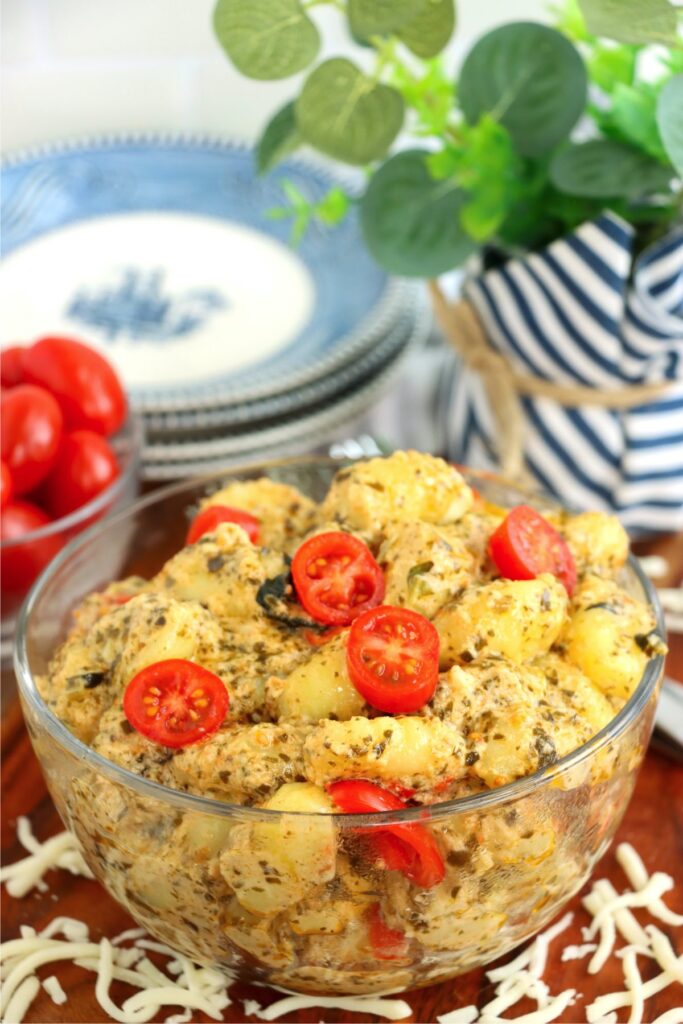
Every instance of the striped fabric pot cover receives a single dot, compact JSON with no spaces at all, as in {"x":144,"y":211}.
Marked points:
{"x":582,"y":311}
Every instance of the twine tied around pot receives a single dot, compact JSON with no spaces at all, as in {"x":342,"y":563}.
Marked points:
{"x":504,"y":385}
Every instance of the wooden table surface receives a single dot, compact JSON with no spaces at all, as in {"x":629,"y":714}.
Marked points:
{"x":653,"y":824}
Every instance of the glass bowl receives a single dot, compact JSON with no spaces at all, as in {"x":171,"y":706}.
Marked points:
{"x":36,"y":549}
{"x":513,"y":855}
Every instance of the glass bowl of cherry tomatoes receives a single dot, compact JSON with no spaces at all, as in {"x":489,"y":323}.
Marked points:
{"x":69,"y":448}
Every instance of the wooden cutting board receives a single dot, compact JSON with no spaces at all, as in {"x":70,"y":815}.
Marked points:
{"x":653,"y":824}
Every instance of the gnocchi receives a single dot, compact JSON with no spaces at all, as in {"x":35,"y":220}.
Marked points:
{"x":516,"y":619}
{"x":408,"y":595}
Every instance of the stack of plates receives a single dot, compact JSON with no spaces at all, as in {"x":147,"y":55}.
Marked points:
{"x":232,"y":344}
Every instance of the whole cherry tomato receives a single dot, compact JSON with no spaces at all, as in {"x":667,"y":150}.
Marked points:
{"x":11,"y":372}
{"x":336,"y":578}
{"x":21,"y":563}
{"x":209,"y":518}
{"x":31,"y":424}
{"x":6,"y":488}
{"x":83,"y":382}
{"x":84,"y":467}
{"x":393,"y":658}
{"x":175,"y":702}
{"x":525,"y":545}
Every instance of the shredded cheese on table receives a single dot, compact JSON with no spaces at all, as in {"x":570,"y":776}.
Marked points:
{"x":379,"y":1006}
{"x":578,"y":952}
{"x":55,"y":990}
{"x":62,"y":851}
{"x":186,"y":985}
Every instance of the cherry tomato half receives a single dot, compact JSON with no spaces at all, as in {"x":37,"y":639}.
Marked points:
{"x":393,"y":658}
{"x":387,"y":943}
{"x":85,"y":466}
{"x":83,"y":382}
{"x":6,"y":488}
{"x":31,"y":425}
{"x":11,"y":371}
{"x":211,"y":517}
{"x":410,"y":848}
{"x":336,"y":578}
{"x":525,"y":545}
{"x":20,"y":564}
{"x":175,"y":702}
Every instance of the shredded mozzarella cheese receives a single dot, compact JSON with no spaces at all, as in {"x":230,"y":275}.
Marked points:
{"x":379,"y":1006}
{"x":578,"y":952}
{"x":635,"y":984}
{"x":55,"y":990}
{"x":674,"y":1016}
{"x":21,"y":1000}
{"x":654,"y":566}
{"x":636,"y":872}
{"x":465,"y":1015}
{"x":61,"y":851}
{"x":518,"y":978}
{"x":201,"y":989}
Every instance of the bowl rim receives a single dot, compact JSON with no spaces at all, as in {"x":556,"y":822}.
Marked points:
{"x":143,"y":787}
{"x":131,"y":432}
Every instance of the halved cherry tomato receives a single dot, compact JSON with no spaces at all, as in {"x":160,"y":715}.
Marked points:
{"x":11,"y":372}
{"x":525,"y":545}
{"x":320,"y":639}
{"x":20,"y":564}
{"x":211,"y":517}
{"x":336,"y":578}
{"x":83,"y":382}
{"x":393,"y":658}
{"x":387,"y":943}
{"x":85,"y":466}
{"x":410,"y":848}
{"x":31,"y":425}
{"x":175,"y":702}
{"x":6,"y":488}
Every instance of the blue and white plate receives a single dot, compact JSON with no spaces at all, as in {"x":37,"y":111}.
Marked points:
{"x":253,"y":415}
{"x":161,"y":253}
{"x":311,"y":431}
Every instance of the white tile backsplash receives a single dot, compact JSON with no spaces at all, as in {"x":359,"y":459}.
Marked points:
{"x":39,"y":106}
{"x":130,"y":28}
{"x":72,"y":68}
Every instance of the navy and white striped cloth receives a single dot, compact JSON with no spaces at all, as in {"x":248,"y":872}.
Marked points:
{"x":580,"y":311}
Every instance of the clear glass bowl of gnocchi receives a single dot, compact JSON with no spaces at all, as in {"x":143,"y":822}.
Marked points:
{"x":365,"y":727}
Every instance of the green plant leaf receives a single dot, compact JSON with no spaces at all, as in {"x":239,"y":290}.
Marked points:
{"x":333,"y":207}
{"x":266,"y":39}
{"x":609,"y":66}
{"x":634,"y":115}
{"x":428,"y":32}
{"x":603,"y":168}
{"x":631,"y":21}
{"x":569,"y":19}
{"x":411,"y":222}
{"x":530,"y":78}
{"x":330,"y":210}
{"x":280,"y":137}
{"x":430,"y":95}
{"x":670,"y":120}
{"x":377,"y":17}
{"x":348,"y":115}
{"x":491,"y":173}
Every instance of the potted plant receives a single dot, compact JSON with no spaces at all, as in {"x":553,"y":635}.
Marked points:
{"x":556,"y":156}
